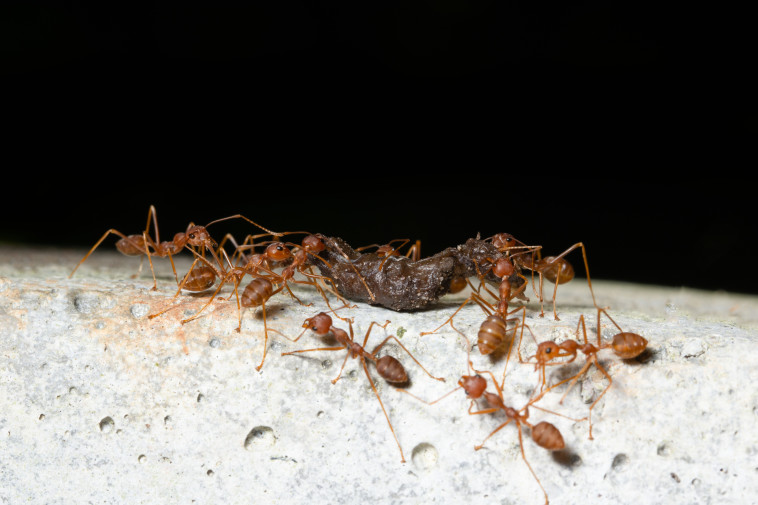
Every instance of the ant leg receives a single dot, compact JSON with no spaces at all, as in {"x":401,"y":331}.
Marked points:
{"x":150,"y":261}
{"x":488,"y":411}
{"x":370,"y":380}
{"x":424,"y":401}
{"x":473,"y":298}
{"x":265,"y":338}
{"x":610,"y":381}
{"x":197,"y":314}
{"x":376,"y":349}
{"x":115,"y":232}
{"x":269,"y":232}
{"x":523,"y":456}
{"x":344,"y":362}
{"x":299,"y":351}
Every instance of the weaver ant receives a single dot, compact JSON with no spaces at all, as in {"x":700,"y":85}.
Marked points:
{"x":139,"y":245}
{"x":493,"y":332}
{"x":388,"y":367}
{"x":553,"y":268}
{"x":544,"y":434}
{"x":625,"y":345}
{"x":386,"y":250}
{"x":255,"y":294}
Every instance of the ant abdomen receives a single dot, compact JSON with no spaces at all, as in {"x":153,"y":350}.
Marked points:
{"x":557,"y":271}
{"x":628,"y":345}
{"x":492,"y":333}
{"x":199,"y":279}
{"x":457,"y":284}
{"x":132,"y":245}
{"x":391,"y":370}
{"x":547,"y":436}
{"x":257,"y":292}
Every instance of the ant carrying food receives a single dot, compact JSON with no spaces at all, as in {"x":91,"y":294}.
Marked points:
{"x":553,"y":268}
{"x":386,"y":250}
{"x":388,"y":367}
{"x":401,"y":283}
{"x":625,"y":345}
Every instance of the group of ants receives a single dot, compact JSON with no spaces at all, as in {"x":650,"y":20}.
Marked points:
{"x":273,"y":270}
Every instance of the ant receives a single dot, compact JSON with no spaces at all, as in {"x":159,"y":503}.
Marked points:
{"x":388,"y":367}
{"x":138,"y":245}
{"x":544,"y":434}
{"x":386,"y":250}
{"x":493,"y":332}
{"x":625,"y":345}
{"x":553,"y":268}
{"x":255,"y":294}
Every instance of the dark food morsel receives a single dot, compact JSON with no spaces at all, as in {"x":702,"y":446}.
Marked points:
{"x":402,"y":284}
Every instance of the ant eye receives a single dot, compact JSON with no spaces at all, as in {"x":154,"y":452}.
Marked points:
{"x":548,"y":350}
{"x":191,"y":235}
{"x":279,"y":248}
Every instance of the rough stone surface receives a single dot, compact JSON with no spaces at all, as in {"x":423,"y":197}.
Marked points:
{"x":100,"y":404}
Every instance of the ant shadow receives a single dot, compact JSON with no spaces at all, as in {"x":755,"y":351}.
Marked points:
{"x":566,"y":458}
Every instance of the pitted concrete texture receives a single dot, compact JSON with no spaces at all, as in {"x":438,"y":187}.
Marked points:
{"x":101,"y":404}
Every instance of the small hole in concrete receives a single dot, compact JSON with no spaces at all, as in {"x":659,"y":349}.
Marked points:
{"x":259,"y":438}
{"x":319,"y":414}
{"x":209,"y":473}
{"x":620,"y":461}
{"x":200,"y":397}
{"x":41,"y":417}
{"x":664,"y":449}
{"x":326,"y":363}
{"x":424,"y":456}
{"x":142,"y":458}
{"x":214,"y":343}
{"x":107,"y":425}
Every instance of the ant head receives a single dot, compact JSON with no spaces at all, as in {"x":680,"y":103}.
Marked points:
{"x":504,"y":241}
{"x":547,"y":350}
{"x":199,"y":236}
{"x":313,"y":244}
{"x":319,"y":324}
{"x":277,"y":251}
{"x":474,"y":385}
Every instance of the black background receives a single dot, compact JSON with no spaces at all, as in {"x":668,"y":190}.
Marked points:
{"x":619,"y":125}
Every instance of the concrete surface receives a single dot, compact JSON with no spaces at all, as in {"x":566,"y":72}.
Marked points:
{"x":100,"y":404}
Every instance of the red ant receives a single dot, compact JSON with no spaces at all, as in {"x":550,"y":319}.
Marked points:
{"x":493,"y":332}
{"x":553,"y":268}
{"x":625,"y":345}
{"x":544,"y":434}
{"x":138,"y":245}
{"x":386,"y":250}
{"x":388,"y":367}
